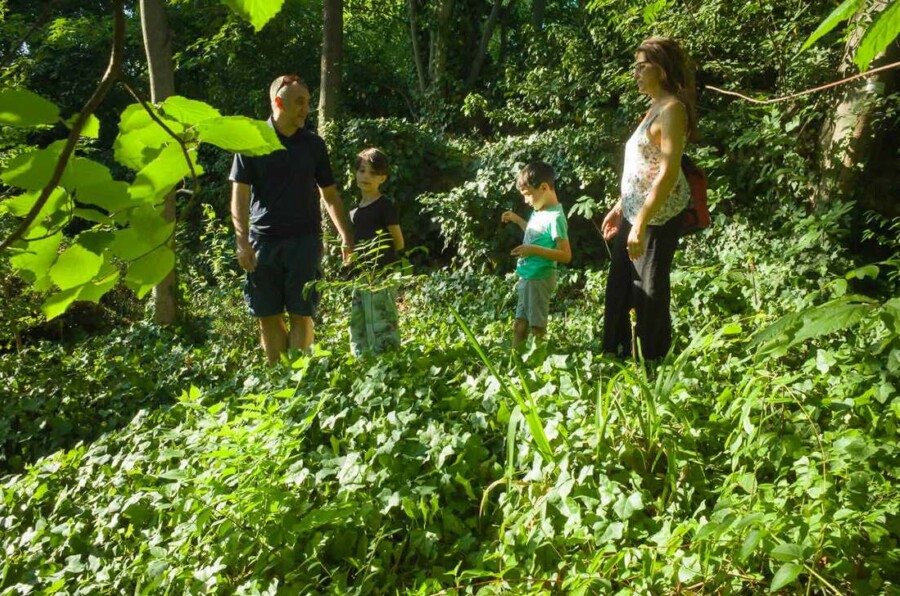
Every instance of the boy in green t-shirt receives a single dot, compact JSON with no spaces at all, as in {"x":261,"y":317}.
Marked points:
{"x":546,"y":243}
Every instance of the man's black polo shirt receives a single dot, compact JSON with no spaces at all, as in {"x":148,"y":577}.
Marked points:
{"x":284,"y":185}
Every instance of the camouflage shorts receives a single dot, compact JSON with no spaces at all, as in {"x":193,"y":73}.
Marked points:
{"x":373,"y":321}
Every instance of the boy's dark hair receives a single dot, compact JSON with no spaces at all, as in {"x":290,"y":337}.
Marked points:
{"x":535,"y":174}
{"x":374,"y":158}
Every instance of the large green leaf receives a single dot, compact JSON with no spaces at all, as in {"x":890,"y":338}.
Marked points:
{"x":57,"y":303}
{"x":878,"y":36}
{"x":111,"y":196}
{"x":147,"y":230}
{"x":52,"y":215}
{"x":239,"y":134}
{"x":91,"y":291}
{"x":258,"y":12}
{"x":839,"y":14}
{"x":188,"y":111}
{"x":21,"y":107}
{"x":75,"y":266}
{"x":32,"y":170}
{"x":149,"y":270}
{"x":34,"y":259}
{"x":784,"y":576}
{"x":91,"y":128}
{"x":138,"y":145}
{"x":83,"y":172}
{"x":159,"y":177}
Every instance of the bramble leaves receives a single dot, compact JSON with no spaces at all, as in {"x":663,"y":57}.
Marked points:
{"x":20,"y":107}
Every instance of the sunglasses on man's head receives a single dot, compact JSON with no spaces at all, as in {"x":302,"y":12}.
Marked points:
{"x":285,"y":81}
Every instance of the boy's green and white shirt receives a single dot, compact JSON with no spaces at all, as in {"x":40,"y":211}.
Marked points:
{"x":544,"y":228}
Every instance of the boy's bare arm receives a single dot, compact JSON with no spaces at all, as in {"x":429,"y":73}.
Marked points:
{"x":561,"y":254}
{"x":511,"y":216}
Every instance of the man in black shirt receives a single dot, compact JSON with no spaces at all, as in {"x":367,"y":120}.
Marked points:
{"x":278,"y":222}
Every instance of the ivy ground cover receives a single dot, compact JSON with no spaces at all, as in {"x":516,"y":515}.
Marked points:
{"x":761,"y":458}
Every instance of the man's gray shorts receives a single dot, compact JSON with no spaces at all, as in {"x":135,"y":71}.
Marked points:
{"x":534,"y":300}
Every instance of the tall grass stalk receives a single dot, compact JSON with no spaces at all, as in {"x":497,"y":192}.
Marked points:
{"x":528,"y":408}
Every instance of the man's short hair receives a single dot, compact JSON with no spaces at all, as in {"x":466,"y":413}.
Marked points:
{"x":276,"y":89}
{"x":374,"y":158}
{"x":535,"y":174}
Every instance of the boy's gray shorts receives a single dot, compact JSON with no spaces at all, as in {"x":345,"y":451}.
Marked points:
{"x":534,"y":300}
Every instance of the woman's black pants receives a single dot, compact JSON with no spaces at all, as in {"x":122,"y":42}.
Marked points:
{"x":642,"y":285}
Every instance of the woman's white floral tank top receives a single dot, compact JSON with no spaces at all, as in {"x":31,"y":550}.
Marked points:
{"x":642,"y":160}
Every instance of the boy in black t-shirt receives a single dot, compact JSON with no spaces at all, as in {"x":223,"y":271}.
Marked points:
{"x":373,"y":312}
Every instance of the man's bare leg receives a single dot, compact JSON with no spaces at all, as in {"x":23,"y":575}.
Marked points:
{"x":273,"y":337}
{"x":302,"y":332}
{"x":539,"y":333}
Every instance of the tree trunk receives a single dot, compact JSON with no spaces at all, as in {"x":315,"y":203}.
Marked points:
{"x":417,"y":52}
{"x":158,"y":46}
{"x":332,"y":57}
{"x":441,"y":42}
{"x":848,"y":138}
{"x":486,"y":35}
{"x":537,"y":14}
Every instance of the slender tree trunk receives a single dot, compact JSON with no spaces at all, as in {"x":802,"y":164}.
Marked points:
{"x":417,"y":52}
{"x":538,"y":8}
{"x":332,"y":58}
{"x":486,"y":35}
{"x":441,"y":38}
{"x":158,"y":46}
{"x":848,"y":137}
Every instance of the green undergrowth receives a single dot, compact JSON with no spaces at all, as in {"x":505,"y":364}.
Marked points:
{"x":764,"y":456}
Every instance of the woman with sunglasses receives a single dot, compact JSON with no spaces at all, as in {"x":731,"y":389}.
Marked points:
{"x":645,"y":222}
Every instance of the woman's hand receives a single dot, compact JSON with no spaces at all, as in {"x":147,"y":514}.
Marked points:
{"x":611,"y":223}
{"x":637,"y":239}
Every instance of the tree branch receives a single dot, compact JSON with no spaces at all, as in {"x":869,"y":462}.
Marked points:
{"x":113,"y":72}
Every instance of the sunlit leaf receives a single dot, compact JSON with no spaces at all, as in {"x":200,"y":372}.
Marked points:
{"x":34,"y":260}
{"x":21,"y":107}
{"x":111,"y":196}
{"x":57,"y":303}
{"x":91,"y":128}
{"x":140,"y":145}
{"x":75,"y":266}
{"x":159,"y":177}
{"x":146,"y":272}
{"x":82,"y":172}
{"x":188,"y":111}
{"x":258,"y":12}
{"x":32,"y":170}
{"x":878,"y":36}
{"x":239,"y":134}
{"x":843,"y":12}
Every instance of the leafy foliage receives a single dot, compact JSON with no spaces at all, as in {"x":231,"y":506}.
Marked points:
{"x":418,"y":472}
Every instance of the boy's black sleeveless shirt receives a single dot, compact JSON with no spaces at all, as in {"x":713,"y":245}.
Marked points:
{"x":284,"y":185}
